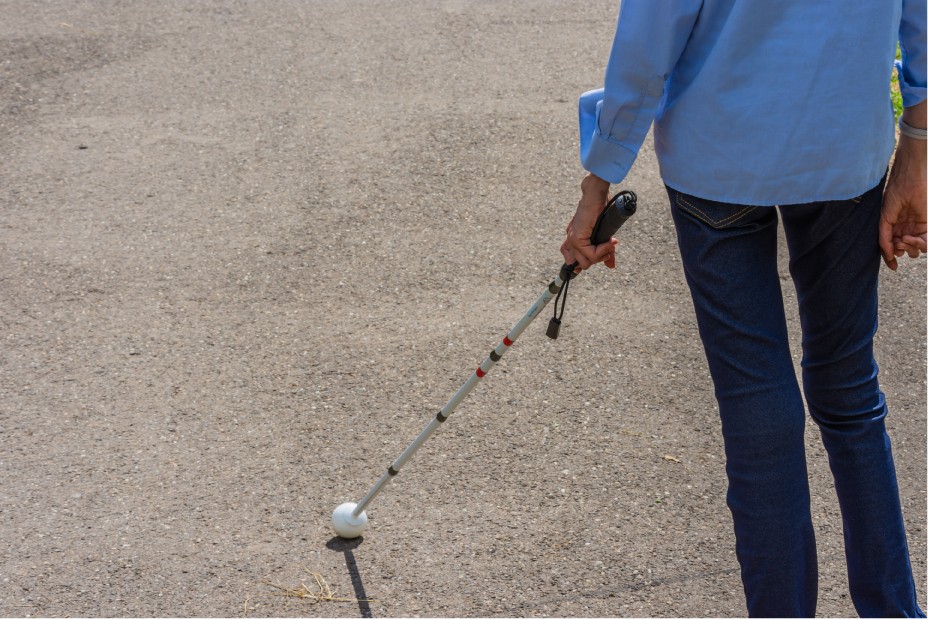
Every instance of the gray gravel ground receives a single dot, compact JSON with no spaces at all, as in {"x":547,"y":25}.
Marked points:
{"x":249,"y":248}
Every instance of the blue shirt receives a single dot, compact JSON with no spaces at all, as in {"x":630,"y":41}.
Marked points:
{"x":760,"y":102}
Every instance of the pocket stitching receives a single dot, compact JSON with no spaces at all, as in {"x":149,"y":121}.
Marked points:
{"x":704,"y":217}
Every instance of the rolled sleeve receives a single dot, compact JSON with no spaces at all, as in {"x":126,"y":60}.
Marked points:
{"x":614,"y":120}
{"x":603,"y":157}
{"x":912,"y":36}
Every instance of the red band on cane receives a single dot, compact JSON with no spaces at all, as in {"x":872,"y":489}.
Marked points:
{"x":480,"y":373}
{"x":506,"y":341}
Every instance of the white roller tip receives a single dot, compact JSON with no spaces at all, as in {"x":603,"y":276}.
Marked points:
{"x":345,"y":524}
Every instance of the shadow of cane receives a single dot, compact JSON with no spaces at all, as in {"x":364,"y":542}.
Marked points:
{"x":346,"y":546}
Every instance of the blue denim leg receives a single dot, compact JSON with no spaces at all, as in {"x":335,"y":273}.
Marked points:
{"x":729,"y":258}
{"x":835,"y":263}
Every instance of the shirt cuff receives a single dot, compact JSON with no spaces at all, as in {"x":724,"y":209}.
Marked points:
{"x":603,"y":157}
{"x":911,"y":94}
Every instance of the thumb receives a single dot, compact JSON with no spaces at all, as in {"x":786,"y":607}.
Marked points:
{"x":886,"y":233}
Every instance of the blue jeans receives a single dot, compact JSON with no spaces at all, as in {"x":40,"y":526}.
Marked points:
{"x":729,"y":254}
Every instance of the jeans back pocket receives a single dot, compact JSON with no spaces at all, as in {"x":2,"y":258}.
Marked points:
{"x":719,"y":215}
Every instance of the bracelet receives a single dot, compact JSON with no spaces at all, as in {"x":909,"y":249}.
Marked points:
{"x":912,"y":132}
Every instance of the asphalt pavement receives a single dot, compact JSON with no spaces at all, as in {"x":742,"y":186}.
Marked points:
{"x":247,"y":251}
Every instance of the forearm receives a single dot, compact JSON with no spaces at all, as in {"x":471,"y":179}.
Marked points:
{"x":904,"y":219}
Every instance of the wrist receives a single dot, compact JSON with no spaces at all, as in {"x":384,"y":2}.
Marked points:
{"x":912,"y":150}
{"x":909,"y":131}
{"x":915,"y":115}
{"x":593,"y":184}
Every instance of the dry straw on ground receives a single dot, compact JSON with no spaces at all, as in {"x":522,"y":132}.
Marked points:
{"x":320,"y":591}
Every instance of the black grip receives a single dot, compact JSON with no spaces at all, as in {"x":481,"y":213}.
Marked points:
{"x":617,"y":211}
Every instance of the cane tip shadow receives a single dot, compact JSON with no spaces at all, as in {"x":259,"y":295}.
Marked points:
{"x":346,"y":546}
{"x":340,"y":544}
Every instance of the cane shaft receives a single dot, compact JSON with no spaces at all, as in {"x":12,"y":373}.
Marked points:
{"x":617,"y":211}
{"x":468,"y":386}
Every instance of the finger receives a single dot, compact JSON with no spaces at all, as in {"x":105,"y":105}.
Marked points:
{"x":901,"y":249}
{"x":602,"y":251}
{"x":886,"y":242}
{"x":608,"y":253}
{"x":916,"y":241}
{"x":586,"y":254}
{"x":582,"y":261}
{"x":569,"y":224}
{"x":575,"y":251}
{"x":567,"y":252}
{"x":610,"y":260}
{"x":905,"y":248}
